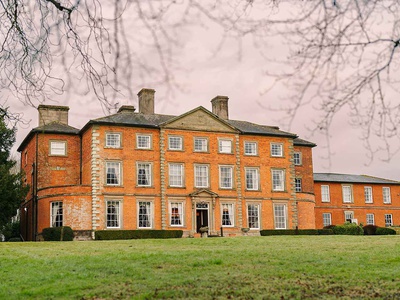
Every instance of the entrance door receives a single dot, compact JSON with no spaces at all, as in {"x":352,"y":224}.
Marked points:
{"x":201,"y":216}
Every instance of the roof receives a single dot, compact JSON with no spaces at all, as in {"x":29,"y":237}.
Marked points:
{"x":347,"y":178}
{"x":301,"y":142}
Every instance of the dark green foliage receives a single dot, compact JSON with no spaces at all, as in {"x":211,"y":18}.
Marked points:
{"x":15,"y":239}
{"x":10,"y":231}
{"x":64,"y":233}
{"x":137,"y":234}
{"x":370,"y":229}
{"x":268,"y":232}
{"x":385,"y":231}
{"x":348,"y":229}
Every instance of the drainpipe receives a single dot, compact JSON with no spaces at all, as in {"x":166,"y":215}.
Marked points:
{"x":35,"y":187}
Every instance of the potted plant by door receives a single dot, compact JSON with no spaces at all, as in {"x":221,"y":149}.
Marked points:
{"x":204,"y":231}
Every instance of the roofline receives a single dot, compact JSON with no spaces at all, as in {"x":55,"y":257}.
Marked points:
{"x":388,"y":181}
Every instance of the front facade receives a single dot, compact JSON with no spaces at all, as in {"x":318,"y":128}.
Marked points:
{"x":141,"y":170}
{"x":358,"y":199}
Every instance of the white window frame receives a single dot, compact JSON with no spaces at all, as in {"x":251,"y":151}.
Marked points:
{"x":176,"y":218}
{"x":226,"y":177}
{"x":201,"y":177}
{"x":278,"y":180}
{"x":202,"y":142}
{"x":276,"y":149}
{"x":387,"y":199}
{"x":58,"y":148}
{"x":250,"y":148}
{"x":175,"y":174}
{"x":145,"y":217}
{"x":147,"y":138}
{"x":56,"y":214}
{"x":253,"y":215}
{"x":113,"y":218}
{"x":175,"y":143}
{"x":348,"y":215}
{"x":297,"y":158}
{"x":254,"y":179}
{"x":347,"y":193}
{"x":227,"y":215}
{"x":325,"y":194}
{"x":147,"y":166}
{"x":117,"y":166}
{"x":388,"y":220}
{"x":368,"y":194}
{"x":225,"y":146}
{"x":298,"y":185}
{"x":280,"y":216}
{"x":326,"y":219}
{"x":113,"y":140}
{"x":370,"y":219}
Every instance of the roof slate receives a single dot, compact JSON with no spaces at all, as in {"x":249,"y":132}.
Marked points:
{"x":347,"y":178}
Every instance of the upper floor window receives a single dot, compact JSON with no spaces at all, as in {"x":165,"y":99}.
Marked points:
{"x":276,"y":150}
{"x":113,"y":214}
{"x":201,"y":176}
{"x":347,"y":194}
{"x":368,"y":194}
{"x":225,"y":146}
{"x":278,"y":180}
{"x":58,"y":148}
{"x":298,"y":186}
{"x":113,"y":173}
{"x":297,"y":159}
{"x":143,"y":141}
{"x":200,"y":145}
{"x":175,"y":173}
{"x":325,"y":194}
{"x":56,"y":214}
{"x":386,"y":195}
{"x":326,"y":219}
{"x":175,"y":143}
{"x":226,"y":177}
{"x":250,"y":148}
{"x":143,"y":174}
{"x":113,"y":140}
{"x":252,"y":182}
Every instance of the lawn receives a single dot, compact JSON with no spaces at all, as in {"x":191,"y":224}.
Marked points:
{"x":275,"y":267}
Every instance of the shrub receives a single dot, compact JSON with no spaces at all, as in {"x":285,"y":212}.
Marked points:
{"x":15,"y":239}
{"x":348,"y":229}
{"x":370,"y":229}
{"x":137,"y":234}
{"x":268,"y":232}
{"x":11,"y":230}
{"x":64,"y":233}
{"x":385,"y":231}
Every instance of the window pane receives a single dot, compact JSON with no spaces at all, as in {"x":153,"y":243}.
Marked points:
{"x":227,"y":215}
{"x":113,"y":214}
{"x":253,"y":216}
{"x":252,"y":179}
{"x":175,"y":143}
{"x":250,"y":148}
{"x":347,"y":194}
{"x":176,"y":214}
{"x":175,"y":175}
{"x":370,"y":219}
{"x":201,"y":176}
{"x":113,"y":140}
{"x":113,"y":173}
{"x":278,"y":180}
{"x":57,"y":148}
{"x":143,"y":142}
{"x":225,"y":177}
{"x":276,"y":150}
{"x":368,"y":194}
{"x":326,"y":218}
{"x":143,"y":174}
{"x":386,"y":195}
{"x":297,"y":158}
{"x":348,"y":216}
{"x":225,"y":146}
{"x":280,"y":216}
{"x":144,"y":215}
{"x":200,"y":145}
{"x":298,"y":186}
{"x":325,"y":193}
{"x":56,"y":218}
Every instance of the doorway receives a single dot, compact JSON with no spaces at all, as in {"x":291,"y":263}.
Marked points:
{"x":201,"y":216}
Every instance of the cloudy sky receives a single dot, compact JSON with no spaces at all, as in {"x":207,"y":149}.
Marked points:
{"x":236,"y":70}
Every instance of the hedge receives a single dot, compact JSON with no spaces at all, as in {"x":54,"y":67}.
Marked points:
{"x":64,"y":233}
{"x":385,"y":231}
{"x":268,"y":232}
{"x":137,"y":234}
{"x":348,"y":229}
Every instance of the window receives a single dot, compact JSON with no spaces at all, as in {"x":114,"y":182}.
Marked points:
{"x":250,"y":148}
{"x":368,"y":194}
{"x":370,"y":219}
{"x":278,"y":180}
{"x":348,"y":216}
{"x":176,"y":175}
{"x":227,"y":215}
{"x":280,"y":216}
{"x":58,"y":148}
{"x":200,"y":145}
{"x":325,"y":194}
{"x":175,"y":143}
{"x":113,"y":173}
{"x":297,"y":159}
{"x":298,"y":187}
{"x":326,"y":219}
{"x":388,"y":220}
{"x":145,"y":214}
{"x":253,"y":219}
{"x":113,"y":140}
{"x":113,"y":214}
{"x":56,"y":214}
{"x":225,"y":177}
{"x":276,"y":150}
{"x":201,"y":176}
{"x":386,"y":195}
{"x":144,"y":174}
{"x":347,"y":194}
{"x":143,"y":141}
{"x":176,"y":214}
{"x":252,"y":179}
{"x":225,"y":146}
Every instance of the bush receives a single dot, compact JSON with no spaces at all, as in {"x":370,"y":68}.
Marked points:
{"x":15,"y":239}
{"x":269,"y":232}
{"x":348,"y":229}
{"x":64,"y":233}
{"x":385,"y":231}
{"x":137,"y":234}
{"x":11,"y":230}
{"x":370,"y":229}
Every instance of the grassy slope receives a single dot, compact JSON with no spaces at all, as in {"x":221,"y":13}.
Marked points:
{"x":246,"y":267}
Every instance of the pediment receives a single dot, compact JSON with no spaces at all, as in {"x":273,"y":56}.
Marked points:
{"x":203,"y":193}
{"x":199,"y":119}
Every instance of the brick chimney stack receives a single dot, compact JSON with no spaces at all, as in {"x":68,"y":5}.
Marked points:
{"x":53,"y":114}
{"x":220,"y":107}
{"x":146,"y":101}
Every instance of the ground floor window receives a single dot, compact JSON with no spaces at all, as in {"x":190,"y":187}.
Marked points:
{"x":388,"y":220}
{"x":113,"y":214}
{"x":176,"y":213}
{"x":348,"y":216}
{"x":327,"y":219}
{"x":370,"y":219}
{"x":56,"y":214}
{"x":253,"y":218}
{"x":145,"y":214}
{"x":227,"y":215}
{"x":280,"y":216}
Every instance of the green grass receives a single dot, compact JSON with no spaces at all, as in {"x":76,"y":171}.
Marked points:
{"x":275,"y":267}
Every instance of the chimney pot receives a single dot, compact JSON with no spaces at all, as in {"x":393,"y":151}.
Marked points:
{"x":146,"y":101}
{"x":52,"y":114}
{"x":220,"y":107}
{"x":127,"y":109}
